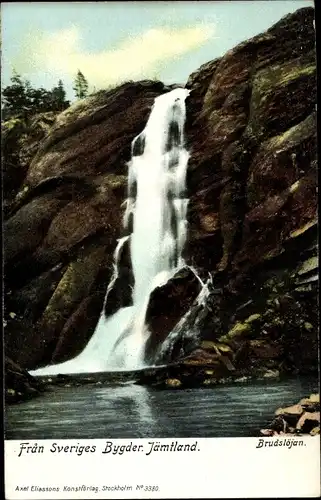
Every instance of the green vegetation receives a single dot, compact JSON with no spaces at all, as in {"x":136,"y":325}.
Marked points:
{"x":21,"y":100}
{"x":80,"y":86}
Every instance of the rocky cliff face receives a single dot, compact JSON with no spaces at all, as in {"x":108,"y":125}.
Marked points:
{"x":252,"y":215}
{"x":253,"y":197}
{"x":252,"y":134}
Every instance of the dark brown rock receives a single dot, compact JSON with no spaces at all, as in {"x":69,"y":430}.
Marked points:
{"x":19,"y":384}
{"x":291,"y":414}
{"x":277,"y":93}
{"x":311,"y":403}
{"x":21,"y":138}
{"x":217,"y":359}
{"x":75,"y":285}
{"x":94,"y":135}
{"x":80,"y":325}
{"x":121,"y":292}
{"x":253,"y":202}
{"x":25,"y":230}
{"x":241,"y":80}
{"x":167,"y":305}
{"x":308,"y":421}
{"x":281,"y":161}
{"x":256,"y":160}
{"x":265,"y":350}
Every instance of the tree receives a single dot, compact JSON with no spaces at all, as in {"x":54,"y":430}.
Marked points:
{"x":58,"y":97}
{"x":14,"y":97}
{"x":80,"y":86}
{"x":40,"y":100}
{"x":20,"y":99}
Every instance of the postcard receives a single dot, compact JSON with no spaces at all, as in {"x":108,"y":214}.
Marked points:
{"x":160,"y":250}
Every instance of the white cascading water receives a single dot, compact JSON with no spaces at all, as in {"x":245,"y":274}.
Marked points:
{"x":156,"y":209}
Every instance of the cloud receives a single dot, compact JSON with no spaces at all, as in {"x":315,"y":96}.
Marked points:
{"x":142,"y":56}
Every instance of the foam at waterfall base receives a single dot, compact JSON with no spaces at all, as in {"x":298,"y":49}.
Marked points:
{"x":99,"y":355}
{"x":95,"y":357}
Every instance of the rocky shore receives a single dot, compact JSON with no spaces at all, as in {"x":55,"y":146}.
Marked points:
{"x":300,"y":418}
{"x":19,"y":384}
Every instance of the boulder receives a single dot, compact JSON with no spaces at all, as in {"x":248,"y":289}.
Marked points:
{"x":167,"y":305}
{"x":308,"y":421}
{"x":293,"y":412}
{"x":300,"y":418}
{"x":120,"y":294}
{"x":173,"y":382}
{"x":19,"y":384}
{"x":312,"y":403}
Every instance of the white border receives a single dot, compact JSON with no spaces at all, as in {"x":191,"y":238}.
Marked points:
{"x":218,"y":468}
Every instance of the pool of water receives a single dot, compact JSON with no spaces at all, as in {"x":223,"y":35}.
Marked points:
{"x":134,"y":411}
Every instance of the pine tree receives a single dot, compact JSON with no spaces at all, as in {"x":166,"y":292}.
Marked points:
{"x":40,"y":100}
{"x":58,"y":97}
{"x":21,"y":100}
{"x":80,"y":86}
{"x":15,"y":100}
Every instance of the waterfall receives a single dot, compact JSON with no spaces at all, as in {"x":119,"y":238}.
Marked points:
{"x":155,"y":223}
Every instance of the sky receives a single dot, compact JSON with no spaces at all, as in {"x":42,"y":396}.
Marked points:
{"x":113,"y":42}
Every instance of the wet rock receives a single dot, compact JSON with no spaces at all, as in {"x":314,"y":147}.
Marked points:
{"x":265,"y":350}
{"x":273,"y":89}
{"x":214,"y":357}
{"x":308,"y":421}
{"x":95,"y":132}
{"x":271,"y":374}
{"x":239,"y":330}
{"x":81,"y":325}
{"x":25,"y":230}
{"x":217,"y":348}
{"x":198,"y":83}
{"x":291,"y":413}
{"x":310,"y":404}
{"x":120,"y":294}
{"x":19,"y":384}
{"x":266,"y":432}
{"x":251,"y":65}
{"x":173,"y":382}
{"x":293,"y":150}
{"x":241,"y":379}
{"x":202,"y":357}
{"x":30,"y":300}
{"x":279,"y":425}
{"x":209,"y":381}
{"x":168,"y":304}
{"x":75,"y":285}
